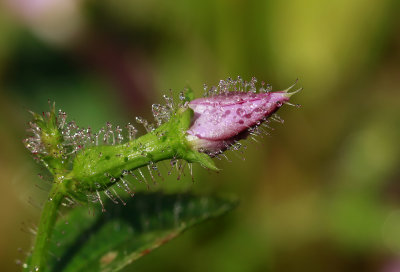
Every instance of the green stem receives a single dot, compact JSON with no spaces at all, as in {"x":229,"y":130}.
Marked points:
{"x":93,"y":166}
{"x":45,"y":228}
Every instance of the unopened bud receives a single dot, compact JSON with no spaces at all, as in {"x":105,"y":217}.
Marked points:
{"x":221,"y":119}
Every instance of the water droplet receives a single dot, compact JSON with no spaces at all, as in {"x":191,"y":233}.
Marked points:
{"x":109,"y":134}
{"x":120,"y":199}
{"x":182,"y":96}
{"x":169,"y":100}
{"x":146,"y":125}
{"x":101,"y":202}
{"x":110,"y":196}
{"x":145,"y":180}
{"x":120,"y":137}
{"x":131,"y":131}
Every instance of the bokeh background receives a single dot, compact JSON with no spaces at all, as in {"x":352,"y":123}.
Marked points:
{"x":321,"y":194}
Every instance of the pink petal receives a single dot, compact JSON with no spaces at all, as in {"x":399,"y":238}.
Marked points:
{"x":224,"y":116}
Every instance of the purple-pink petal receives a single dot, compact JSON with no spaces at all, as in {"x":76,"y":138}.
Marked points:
{"x":224,"y":116}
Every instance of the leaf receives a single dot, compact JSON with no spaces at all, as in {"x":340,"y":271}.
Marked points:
{"x":109,"y":241}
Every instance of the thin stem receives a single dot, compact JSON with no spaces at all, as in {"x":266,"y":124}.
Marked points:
{"x":45,"y":229}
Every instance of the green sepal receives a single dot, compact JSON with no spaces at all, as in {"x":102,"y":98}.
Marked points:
{"x":189,"y":94}
{"x":202,"y":158}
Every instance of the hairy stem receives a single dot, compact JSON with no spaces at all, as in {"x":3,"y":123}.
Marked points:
{"x":45,"y":228}
{"x":97,"y":167}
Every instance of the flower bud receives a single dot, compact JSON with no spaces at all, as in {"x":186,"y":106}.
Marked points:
{"x":222,"y":119}
{"x":46,"y":139}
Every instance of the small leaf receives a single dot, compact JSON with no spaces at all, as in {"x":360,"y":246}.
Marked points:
{"x":109,"y":241}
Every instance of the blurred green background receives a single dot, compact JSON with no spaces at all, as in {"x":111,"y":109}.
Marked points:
{"x":321,"y":194}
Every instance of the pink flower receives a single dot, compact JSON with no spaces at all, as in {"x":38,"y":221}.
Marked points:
{"x":222,"y":119}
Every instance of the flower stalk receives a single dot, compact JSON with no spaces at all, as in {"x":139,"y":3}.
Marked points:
{"x":45,"y":229}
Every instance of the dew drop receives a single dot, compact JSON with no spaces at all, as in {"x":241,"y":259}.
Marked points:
{"x":126,"y":187}
{"x":110,"y":196}
{"x":101,"y":202}
{"x":131,"y":131}
{"x":169,"y":100}
{"x":182,"y":96}
{"x":118,"y":131}
{"x":120,"y":199}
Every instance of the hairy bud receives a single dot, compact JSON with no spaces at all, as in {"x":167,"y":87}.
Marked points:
{"x":222,"y":119}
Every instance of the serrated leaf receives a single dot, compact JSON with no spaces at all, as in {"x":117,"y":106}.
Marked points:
{"x":109,"y":241}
